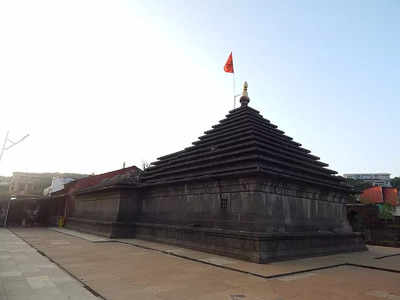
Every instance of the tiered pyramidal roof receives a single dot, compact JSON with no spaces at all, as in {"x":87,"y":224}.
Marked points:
{"x":243,"y":143}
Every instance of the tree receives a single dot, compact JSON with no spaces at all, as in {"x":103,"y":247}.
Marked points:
{"x":358,"y":187}
{"x":145,"y":165}
{"x":386,"y":211}
{"x":395,"y":182}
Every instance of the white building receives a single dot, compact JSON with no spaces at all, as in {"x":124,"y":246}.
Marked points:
{"x":379,"y":179}
{"x":57,"y":184}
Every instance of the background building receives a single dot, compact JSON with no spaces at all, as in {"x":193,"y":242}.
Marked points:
{"x":58,"y":183}
{"x":4,"y":186}
{"x":380,"y":195}
{"x":32,"y":185}
{"x":4,"y":197}
{"x":376,"y":179}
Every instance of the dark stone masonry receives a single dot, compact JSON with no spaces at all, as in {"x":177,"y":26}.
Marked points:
{"x":244,"y":190}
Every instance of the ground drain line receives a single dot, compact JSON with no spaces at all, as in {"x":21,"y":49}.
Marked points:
{"x":96,"y":294}
{"x":256,"y":274}
{"x":226,"y":267}
{"x":208,"y":263}
{"x":80,"y":237}
{"x":238,"y":270}
{"x":373,"y":268}
{"x":72,"y":275}
{"x":390,"y":255}
{"x":116,"y":241}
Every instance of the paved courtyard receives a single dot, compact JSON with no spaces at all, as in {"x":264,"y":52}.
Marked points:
{"x":136,"y":269}
{"x":27,"y":275}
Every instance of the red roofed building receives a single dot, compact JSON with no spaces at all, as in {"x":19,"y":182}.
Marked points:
{"x":390,"y":196}
{"x":380,"y":195}
{"x":372,"y":195}
{"x":105,"y":179}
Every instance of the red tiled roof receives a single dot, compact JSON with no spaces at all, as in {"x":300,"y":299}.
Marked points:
{"x":94,"y":180}
{"x":390,"y":195}
{"x":372,"y":195}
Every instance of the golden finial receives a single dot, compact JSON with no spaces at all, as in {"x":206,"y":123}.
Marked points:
{"x":244,"y":100}
{"x":245,"y":85}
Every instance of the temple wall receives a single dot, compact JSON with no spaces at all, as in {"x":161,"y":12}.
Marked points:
{"x":130,"y":205}
{"x":250,"y":218}
{"x":252,"y":204}
{"x":100,"y":206}
{"x":107,"y":213}
{"x":256,"y":247}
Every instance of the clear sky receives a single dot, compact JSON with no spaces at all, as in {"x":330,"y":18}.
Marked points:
{"x":97,"y":83}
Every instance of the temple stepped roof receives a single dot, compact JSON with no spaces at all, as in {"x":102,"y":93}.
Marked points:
{"x":243,"y":143}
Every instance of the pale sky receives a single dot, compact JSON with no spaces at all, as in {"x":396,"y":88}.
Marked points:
{"x":97,"y":83}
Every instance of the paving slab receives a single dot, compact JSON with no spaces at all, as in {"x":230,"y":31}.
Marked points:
{"x":27,"y":275}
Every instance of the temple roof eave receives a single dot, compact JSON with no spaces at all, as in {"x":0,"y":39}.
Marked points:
{"x":254,"y":171}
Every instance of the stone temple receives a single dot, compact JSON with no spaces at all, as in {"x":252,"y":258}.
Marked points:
{"x":244,"y":190}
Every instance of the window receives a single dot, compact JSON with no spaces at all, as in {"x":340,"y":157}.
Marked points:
{"x":224,"y":203}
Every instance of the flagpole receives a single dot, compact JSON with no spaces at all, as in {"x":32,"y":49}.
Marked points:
{"x":234,"y":97}
{"x":228,"y":68}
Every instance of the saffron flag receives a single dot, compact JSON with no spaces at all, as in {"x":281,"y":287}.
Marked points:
{"x":229,"y":64}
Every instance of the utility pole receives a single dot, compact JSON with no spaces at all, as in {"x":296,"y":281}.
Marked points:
{"x":7,"y":140}
{"x":7,"y":144}
{"x":4,"y":145}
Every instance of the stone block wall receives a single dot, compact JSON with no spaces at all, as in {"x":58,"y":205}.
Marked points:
{"x":256,"y":204}
{"x":252,"y":218}
{"x":102,"y":206}
{"x":256,"y":247}
{"x":108,"y":213}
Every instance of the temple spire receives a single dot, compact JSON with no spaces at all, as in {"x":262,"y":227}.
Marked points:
{"x":244,"y":100}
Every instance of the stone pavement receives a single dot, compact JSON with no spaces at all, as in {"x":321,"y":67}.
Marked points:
{"x":135,"y":269}
{"x":376,"y":257}
{"x":27,"y":275}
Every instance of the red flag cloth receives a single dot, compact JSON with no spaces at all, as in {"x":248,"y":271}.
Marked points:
{"x":229,"y":64}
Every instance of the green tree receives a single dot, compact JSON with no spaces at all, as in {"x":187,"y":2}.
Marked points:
{"x":386,"y":211}
{"x":396,"y":182}
{"x":358,"y":187}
